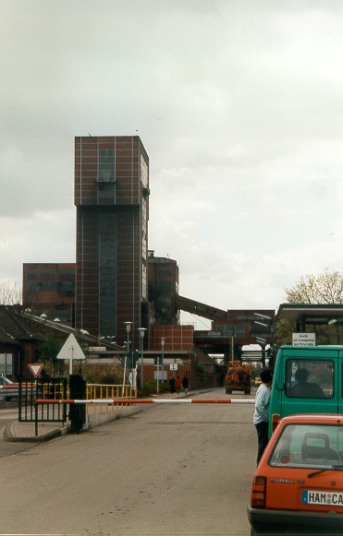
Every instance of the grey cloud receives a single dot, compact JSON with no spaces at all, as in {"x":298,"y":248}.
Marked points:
{"x":238,"y":104}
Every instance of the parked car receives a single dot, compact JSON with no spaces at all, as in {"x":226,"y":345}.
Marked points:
{"x":298,"y":485}
{"x":8,"y":389}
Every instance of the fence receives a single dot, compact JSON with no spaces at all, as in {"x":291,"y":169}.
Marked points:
{"x":45,"y":389}
{"x":105,"y":392}
{"x":56,"y":389}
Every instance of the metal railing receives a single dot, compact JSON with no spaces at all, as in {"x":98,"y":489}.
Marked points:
{"x":96,"y":391}
{"x":51,"y":389}
{"x":48,"y":391}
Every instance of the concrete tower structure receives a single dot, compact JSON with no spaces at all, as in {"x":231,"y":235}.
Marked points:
{"x":112,"y":200}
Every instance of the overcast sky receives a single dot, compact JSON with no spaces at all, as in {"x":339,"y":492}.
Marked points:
{"x":238,"y":104}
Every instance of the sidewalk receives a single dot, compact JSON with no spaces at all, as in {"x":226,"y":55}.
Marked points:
{"x":25,"y":431}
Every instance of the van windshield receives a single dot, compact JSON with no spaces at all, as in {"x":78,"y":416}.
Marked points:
{"x":309,"y":378}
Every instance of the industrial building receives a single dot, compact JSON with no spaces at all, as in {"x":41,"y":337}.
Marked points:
{"x":112,"y":204}
{"x":117,"y":285}
{"x":49,"y":288}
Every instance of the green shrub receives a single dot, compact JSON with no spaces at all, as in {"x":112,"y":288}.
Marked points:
{"x":103,"y":374}
{"x":150,"y":388}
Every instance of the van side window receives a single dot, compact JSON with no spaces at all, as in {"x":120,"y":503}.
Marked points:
{"x":309,"y":378}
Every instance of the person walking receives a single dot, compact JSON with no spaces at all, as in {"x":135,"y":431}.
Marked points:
{"x":178,"y":384}
{"x":261,"y":413}
{"x":185,"y":383}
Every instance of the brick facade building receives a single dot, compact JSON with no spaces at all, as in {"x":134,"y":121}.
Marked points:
{"x":112,"y":202}
{"x":49,"y":288}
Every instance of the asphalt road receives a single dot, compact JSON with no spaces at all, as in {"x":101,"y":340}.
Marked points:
{"x":181,"y":469}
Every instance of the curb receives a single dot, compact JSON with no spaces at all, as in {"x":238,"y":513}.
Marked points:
{"x":9,"y":435}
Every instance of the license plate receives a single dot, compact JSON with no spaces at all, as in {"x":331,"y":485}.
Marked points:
{"x":323,"y":498}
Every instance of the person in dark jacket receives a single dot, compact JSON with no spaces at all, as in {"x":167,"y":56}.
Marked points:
{"x":185,"y":384}
{"x":305,"y":389}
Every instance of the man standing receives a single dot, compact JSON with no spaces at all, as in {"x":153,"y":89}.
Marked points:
{"x":261,"y":413}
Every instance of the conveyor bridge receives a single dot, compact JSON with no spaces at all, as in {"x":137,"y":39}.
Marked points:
{"x":200,"y":309}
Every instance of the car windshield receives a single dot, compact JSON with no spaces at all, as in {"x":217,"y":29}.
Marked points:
{"x":309,"y":445}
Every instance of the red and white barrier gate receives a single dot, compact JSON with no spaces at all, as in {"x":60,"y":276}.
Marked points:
{"x":133,"y":401}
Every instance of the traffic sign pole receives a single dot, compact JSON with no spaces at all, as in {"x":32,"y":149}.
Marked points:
{"x":71,"y":352}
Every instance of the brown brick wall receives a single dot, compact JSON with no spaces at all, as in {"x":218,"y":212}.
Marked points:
{"x":178,"y":338}
{"x":49,"y":288}
{"x":128,"y":151}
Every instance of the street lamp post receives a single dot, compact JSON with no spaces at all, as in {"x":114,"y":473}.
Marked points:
{"x":128,"y":329}
{"x":231,"y":352}
{"x":162,"y":345}
{"x":158,"y":376}
{"x":141,"y":342}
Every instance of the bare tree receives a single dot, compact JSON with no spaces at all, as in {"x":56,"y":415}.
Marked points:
{"x":10,"y":294}
{"x":322,"y":288}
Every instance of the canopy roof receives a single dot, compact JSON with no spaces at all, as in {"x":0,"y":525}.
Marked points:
{"x":304,"y":314}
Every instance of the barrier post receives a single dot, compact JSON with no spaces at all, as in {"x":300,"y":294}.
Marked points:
{"x":36,"y":419}
{"x":78,"y":390}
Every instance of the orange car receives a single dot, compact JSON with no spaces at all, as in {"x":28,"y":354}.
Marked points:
{"x":298,"y":484}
